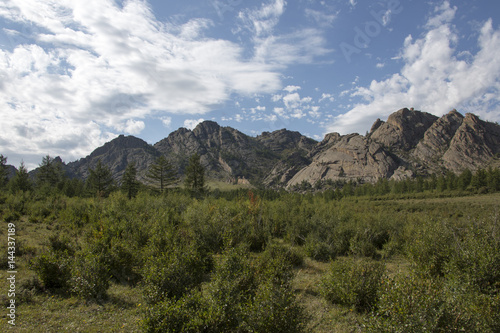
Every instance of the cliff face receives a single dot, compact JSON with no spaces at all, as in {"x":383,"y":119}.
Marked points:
{"x":117,"y":154}
{"x":403,"y":130}
{"x":409,"y":143}
{"x":348,"y":157}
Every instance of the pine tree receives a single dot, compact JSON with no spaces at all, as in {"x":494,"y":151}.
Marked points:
{"x":49,"y":173}
{"x":130,"y":185}
{"x":195,"y":175}
{"x":100,"y":181}
{"x":162,"y":173}
{"x":21,"y":181}
{"x":4,"y":171}
{"x":464,"y":179}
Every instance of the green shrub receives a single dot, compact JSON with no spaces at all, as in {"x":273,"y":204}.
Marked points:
{"x":90,"y":275}
{"x":53,"y":270}
{"x":274,"y":308}
{"x":187,"y":314}
{"x":124,"y":265}
{"x":476,"y":259}
{"x":353,"y":282}
{"x":362,"y":245}
{"x":417,"y":303}
{"x":318,"y":249}
{"x":430,"y":246}
{"x":173,"y":271}
{"x":410,"y":304}
{"x":285,"y":252}
{"x":242,"y":296}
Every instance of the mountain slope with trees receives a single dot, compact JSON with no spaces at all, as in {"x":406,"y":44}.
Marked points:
{"x":410,"y":143}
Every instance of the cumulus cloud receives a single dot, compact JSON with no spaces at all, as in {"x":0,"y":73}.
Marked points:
{"x":433,"y":78}
{"x":192,"y":123}
{"x":81,"y":71}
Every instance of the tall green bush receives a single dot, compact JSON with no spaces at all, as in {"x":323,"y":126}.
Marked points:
{"x":353,"y":282}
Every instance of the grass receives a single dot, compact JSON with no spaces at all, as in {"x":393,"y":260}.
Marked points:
{"x":123,"y":310}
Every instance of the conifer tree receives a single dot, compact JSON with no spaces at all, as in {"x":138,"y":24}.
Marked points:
{"x":21,"y":181}
{"x":4,"y":172}
{"x":100,"y":181}
{"x":195,"y":175}
{"x":162,"y":173}
{"x":130,"y":185}
{"x":49,"y":173}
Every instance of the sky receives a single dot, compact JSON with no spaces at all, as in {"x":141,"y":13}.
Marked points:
{"x":75,"y":74}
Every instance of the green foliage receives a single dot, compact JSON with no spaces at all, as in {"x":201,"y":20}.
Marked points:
{"x":172,"y":270}
{"x":53,"y":269}
{"x":195,"y":175}
{"x":162,"y":173}
{"x":475,"y":260}
{"x":274,"y":308}
{"x":418,"y":303}
{"x":130,"y":185}
{"x":21,"y":180}
{"x":353,"y":282}
{"x":100,"y":181}
{"x":90,"y":276}
{"x":3,"y":171}
{"x":429,"y":246}
{"x":49,"y":173}
{"x":242,"y":296}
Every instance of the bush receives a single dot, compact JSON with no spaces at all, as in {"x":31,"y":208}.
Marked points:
{"x":172,"y":272}
{"x":242,"y":296}
{"x":353,"y":282}
{"x":418,"y":303}
{"x":318,"y":249}
{"x":53,"y":270}
{"x":90,"y":275}
{"x":187,"y":314}
{"x":430,"y":246}
{"x":274,"y":308}
{"x":476,"y":259}
{"x":284,"y":252}
{"x":361,"y":245}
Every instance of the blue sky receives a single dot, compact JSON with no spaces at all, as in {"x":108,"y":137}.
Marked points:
{"x":75,"y":74}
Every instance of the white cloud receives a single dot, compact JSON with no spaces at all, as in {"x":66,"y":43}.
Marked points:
{"x":445,"y":14}
{"x":291,"y":89}
{"x":192,"y":123}
{"x":263,"y":20}
{"x":328,"y":97}
{"x":432,"y":79}
{"x":167,"y":121}
{"x":322,"y":19}
{"x":80,"y":71}
{"x":299,"y":47}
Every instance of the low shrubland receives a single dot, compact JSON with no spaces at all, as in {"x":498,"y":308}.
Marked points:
{"x":236,"y":262}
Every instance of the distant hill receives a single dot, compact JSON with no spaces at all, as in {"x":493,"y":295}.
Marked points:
{"x":409,"y":143}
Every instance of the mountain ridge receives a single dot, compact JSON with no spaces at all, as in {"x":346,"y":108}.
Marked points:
{"x":409,"y":143}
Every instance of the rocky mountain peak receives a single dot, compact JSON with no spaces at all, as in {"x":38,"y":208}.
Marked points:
{"x":206,"y":129}
{"x":409,"y":142}
{"x":283,"y":139}
{"x":403,"y":129}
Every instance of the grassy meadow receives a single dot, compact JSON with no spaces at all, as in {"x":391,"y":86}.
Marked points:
{"x":253,"y":261}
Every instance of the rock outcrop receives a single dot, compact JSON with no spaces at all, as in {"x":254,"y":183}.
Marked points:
{"x":409,"y":143}
{"x":403,"y":129}
{"x":349,"y":157}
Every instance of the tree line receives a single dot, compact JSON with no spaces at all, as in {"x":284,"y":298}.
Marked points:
{"x":50,"y":178}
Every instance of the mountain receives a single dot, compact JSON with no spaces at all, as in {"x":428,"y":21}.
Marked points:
{"x":117,"y":154}
{"x":408,"y":143}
